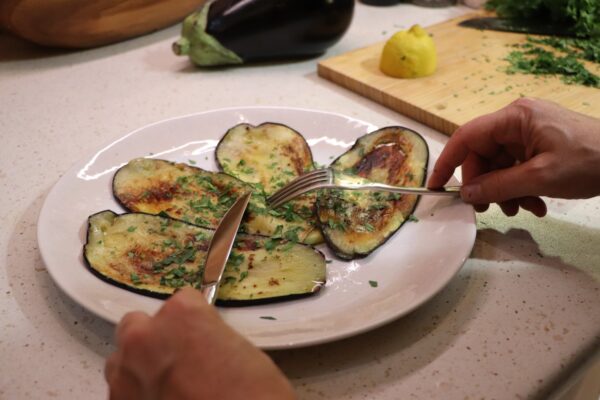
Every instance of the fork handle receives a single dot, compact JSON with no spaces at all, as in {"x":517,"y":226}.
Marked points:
{"x":443,"y":191}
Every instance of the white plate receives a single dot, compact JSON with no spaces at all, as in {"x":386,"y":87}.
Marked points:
{"x":410,"y":268}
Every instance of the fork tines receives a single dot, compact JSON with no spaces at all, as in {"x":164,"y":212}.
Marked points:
{"x":298,"y":186}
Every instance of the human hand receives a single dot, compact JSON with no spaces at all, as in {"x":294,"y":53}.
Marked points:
{"x":186,"y":351}
{"x":528,"y":149}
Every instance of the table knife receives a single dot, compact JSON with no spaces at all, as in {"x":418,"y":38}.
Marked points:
{"x":220,"y":247}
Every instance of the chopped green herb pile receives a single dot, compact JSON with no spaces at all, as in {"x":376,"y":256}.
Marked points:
{"x":373,"y":283}
{"x":586,"y":49}
{"x":535,"y":57}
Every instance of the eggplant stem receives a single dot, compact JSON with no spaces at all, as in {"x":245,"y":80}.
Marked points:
{"x":181,"y":46}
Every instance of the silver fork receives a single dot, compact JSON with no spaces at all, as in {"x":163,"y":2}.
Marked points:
{"x":327,"y":178}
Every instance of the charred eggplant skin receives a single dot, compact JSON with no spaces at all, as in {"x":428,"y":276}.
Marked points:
{"x":355,"y":223}
{"x":258,"y":30}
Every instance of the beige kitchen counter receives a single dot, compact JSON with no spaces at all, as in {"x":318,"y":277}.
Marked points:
{"x":521,"y":317}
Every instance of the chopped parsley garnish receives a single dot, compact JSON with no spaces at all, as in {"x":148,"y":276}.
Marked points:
{"x":226,"y":200}
{"x":289,"y":213}
{"x":131,"y":229}
{"x":336,"y":225}
{"x":206,"y":183}
{"x":204,"y":203}
{"x":200,"y":221}
{"x":373,"y":283}
{"x":278,"y":234}
{"x":163,"y":214}
{"x":229,"y":279}
{"x":412,"y":218}
{"x":182,"y":180}
{"x":135,"y":279}
{"x":243,"y":275}
{"x":200,"y":236}
{"x":268,"y":317}
{"x":270,"y":244}
{"x":180,"y":257}
{"x":192,"y":162}
{"x":235,"y":259}
{"x":292,"y":234}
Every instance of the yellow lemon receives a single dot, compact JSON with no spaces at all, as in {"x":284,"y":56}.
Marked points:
{"x":409,"y":54}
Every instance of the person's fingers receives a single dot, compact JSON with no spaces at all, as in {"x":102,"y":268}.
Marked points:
{"x":481,"y":207}
{"x":133,"y":318}
{"x":484,"y":136}
{"x":473,"y":166}
{"x":535,"y":205}
{"x":510,"y":207}
{"x":111,"y":367}
{"x":527,"y":179}
{"x":124,"y":386}
{"x":185,"y":300}
{"x":503,"y":160}
{"x":122,"y":383}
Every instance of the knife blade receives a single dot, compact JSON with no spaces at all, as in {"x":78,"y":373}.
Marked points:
{"x":516,"y":26}
{"x":220,"y":247}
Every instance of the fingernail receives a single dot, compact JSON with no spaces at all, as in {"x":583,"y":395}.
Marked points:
{"x":471,"y":192}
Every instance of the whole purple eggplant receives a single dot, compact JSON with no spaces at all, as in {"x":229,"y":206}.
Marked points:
{"x":226,"y":32}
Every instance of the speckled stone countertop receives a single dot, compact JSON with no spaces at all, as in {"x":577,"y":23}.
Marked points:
{"x":520,"y":317}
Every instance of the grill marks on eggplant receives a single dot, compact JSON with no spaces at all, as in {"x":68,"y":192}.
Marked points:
{"x":268,"y":156}
{"x":354,"y":223}
{"x":201,"y":197}
{"x":155,"y":256}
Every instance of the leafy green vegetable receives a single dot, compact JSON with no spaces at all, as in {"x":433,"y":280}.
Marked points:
{"x":583,"y":16}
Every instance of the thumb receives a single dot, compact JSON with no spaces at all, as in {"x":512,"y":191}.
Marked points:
{"x":501,"y":185}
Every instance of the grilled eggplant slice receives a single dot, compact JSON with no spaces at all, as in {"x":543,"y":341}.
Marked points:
{"x":155,"y":256}
{"x":353,"y":222}
{"x":268,"y":156}
{"x":201,"y":197}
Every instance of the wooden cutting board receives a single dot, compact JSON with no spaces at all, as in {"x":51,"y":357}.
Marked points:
{"x":469,"y":81}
